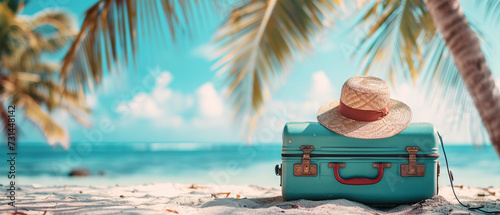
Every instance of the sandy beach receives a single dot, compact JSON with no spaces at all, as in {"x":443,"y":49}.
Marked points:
{"x":170,"y":198}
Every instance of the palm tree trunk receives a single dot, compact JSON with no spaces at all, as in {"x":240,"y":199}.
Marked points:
{"x":463,"y":44}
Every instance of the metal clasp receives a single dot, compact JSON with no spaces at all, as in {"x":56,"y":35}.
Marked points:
{"x":412,"y":169}
{"x":305,"y":168}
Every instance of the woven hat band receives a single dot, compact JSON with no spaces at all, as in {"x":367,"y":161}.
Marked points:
{"x":362,"y":115}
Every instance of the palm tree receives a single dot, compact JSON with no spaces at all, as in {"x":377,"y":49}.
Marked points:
{"x":26,"y":81}
{"x":262,"y":37}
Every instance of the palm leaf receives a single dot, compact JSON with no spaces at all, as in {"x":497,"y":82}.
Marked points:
{"x":56,"y":42}
{"x":258,"y":43}
{"x":43,"y":68}
{"x":30,"y":96}
{"x":36,"y":114}
{"x":7,"y":19}
{"x":30,"y":83}
{"x":110,"y":33}
{"x":444,"y":86}
{"x":25,"y":43}
{"x":392,"y":42}
{"x":491,"y":10}
{"x":61,"y":20}
{"x":56,"y":97}
{"x":32,"y":109}
{"x":15,"y":5}
{"x":444,"y":83}
{"x":394,"y":48}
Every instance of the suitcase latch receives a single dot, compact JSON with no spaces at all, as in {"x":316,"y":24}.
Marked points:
{"x":305,"y":168}
{"x":412,"y":169}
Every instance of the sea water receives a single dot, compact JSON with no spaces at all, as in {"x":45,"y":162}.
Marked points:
{"x":200,"y":163}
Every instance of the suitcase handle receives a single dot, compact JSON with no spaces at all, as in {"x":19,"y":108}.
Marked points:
{"x":359,"y":181}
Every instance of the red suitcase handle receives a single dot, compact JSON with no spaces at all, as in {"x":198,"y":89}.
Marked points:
{"x":359,"y":181}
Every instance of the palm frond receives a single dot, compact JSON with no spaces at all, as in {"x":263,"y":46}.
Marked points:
{"x":41,"y":87}
{"x":110,"y":33}
{"x":23,"y":43}
{"x":43,"y":68}
{"x":16,"y":5}
{"x":15,"y":92}
{"x":56,"y":97}
{"x":444,"y":84}
{"x":258,"y":44}
{"x":30,"y":83}
{"x":491,"y":10}
{"x":31,"y":97}
{"x":392,"y":42}
{"x":390,"y":45}
{"x":86,"y":50}
{"x":52,"y":131}
{"x":442,"y":81}
{"x":61,"y":20}
{"x":7,"y":18}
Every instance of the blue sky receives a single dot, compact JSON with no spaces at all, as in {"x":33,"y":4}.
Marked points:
{"x":175,"y":96}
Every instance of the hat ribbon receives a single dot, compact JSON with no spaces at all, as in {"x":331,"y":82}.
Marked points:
{"x":362,"y":115}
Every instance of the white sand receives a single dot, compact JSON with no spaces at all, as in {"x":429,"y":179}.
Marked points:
{"x":168,"y":198}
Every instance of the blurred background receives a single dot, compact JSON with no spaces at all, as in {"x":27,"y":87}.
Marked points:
{"x":128,"y":92}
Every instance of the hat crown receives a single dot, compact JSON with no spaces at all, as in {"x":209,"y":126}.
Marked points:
{"x":365,"y":93}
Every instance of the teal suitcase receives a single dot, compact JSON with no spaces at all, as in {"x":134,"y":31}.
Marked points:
{"x":319,"y":164}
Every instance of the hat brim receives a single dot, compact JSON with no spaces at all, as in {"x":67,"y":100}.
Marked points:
{"x":396,"y":121}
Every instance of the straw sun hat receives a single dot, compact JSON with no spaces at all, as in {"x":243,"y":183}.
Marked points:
{"x":365,"y":110}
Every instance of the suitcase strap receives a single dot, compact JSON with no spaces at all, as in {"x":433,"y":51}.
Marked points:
{"x":305,"y":168}
{"x":359,"y":181}
{"x":412,"y":169}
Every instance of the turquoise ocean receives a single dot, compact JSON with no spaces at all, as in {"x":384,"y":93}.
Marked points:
{"x":199,"y":163}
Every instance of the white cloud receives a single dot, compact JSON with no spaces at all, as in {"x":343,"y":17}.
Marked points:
{"x":114,"y":82}
{"x":91,"y":100}
{"x":205,"y":51}
{"x":321,"y":92}
{"x":209,"y":101}
{"x":163,"y":79}
{"x":161,"y":92}
{"x":279,"y":112}
{"x":146,"y":106}
{"x":322,"y":89}
{"x":162,"y":105}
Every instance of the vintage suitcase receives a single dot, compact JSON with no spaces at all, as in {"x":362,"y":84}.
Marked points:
{"x":320,"y":164}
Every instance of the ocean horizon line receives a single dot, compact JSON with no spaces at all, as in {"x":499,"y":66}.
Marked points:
{"x":191,"y":146}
